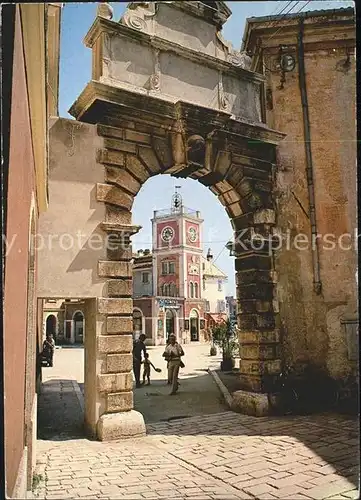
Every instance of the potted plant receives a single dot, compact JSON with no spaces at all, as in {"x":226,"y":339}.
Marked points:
{"x":223,"y":335}
{"x":213,"y":349}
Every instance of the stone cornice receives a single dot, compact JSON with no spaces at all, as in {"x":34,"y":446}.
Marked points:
{"x":53,"y":57}
{"x":198,"y":9}
{"x":101,"y":25}
{"x":332,"y":26}
{"x":120,"y":228}
{"x":168,"y":114}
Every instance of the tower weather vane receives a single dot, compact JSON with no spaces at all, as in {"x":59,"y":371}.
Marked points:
{"x":176,"y":200}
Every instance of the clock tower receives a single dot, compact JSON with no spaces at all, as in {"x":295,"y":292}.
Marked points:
{"x":177,"y":251}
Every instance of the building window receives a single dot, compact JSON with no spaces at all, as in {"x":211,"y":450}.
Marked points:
{"x":137,"y":321}
{"x":191,"y":290}
{"x":204,"y":283}
{"x":196,"y":290}
{"x":145,"y":278}
{"x":220,"y":285}
{"x":221,"y":306}
{"x":208,"y":307}
{"x":168,"y":267}
{"x":203,"y":266}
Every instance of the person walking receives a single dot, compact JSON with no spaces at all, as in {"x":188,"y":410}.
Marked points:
{"x":173,"y":353}
{"x":138,"y":349}
{"x":146,"y":370}
{"x":48,"y":349}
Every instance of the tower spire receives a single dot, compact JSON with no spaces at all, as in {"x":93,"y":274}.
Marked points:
{"x":177,"y":201}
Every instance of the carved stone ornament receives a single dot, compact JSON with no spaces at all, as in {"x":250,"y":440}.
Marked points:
{"x":223,"y":99}
{"x":154,"y":81}
{"x":137,"y":13}
{"x":240,"y":59}
{"x":105,"y":10}
{"x":107,"y":54}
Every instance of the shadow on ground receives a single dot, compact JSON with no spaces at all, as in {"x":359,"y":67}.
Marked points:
{"x":60,"y":415}
{"x":334,"y":438}
{"x":198,"y":395}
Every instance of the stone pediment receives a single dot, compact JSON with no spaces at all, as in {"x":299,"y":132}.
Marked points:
{"x":215,"y":13}
{"x":175,"y":50}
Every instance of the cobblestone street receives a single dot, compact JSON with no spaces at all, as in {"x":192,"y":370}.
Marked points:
{"x":213,"y":454}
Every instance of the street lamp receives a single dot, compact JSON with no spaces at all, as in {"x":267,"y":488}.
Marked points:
{"x":231,"y":247}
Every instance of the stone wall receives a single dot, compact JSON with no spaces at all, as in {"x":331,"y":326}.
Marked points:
{"x":70,"y":240}
{"x":311,"y":322}
{"x":19,"y":304}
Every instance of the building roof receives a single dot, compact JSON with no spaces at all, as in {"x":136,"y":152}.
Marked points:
{"x":307,"y":13}
{"x":142,"y":261}
{"x":211,"y":270}
{"x":273,"y":22}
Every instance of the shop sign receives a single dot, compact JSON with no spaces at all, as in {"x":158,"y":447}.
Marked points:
{"x":171,"y":304}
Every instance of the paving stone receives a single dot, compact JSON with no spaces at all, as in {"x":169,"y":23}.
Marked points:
{"x":260,"y":489}
{"x":330,"y":489}
{"x":353,"y":494}
{"x":214,"y":456}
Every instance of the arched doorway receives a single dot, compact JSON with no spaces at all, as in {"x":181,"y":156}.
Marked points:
{"x":78,"y":322}
{"x":169,"y":322}
{"x":194,"y":325}
{"x":51,"y":325}
{"x":137,"y":323}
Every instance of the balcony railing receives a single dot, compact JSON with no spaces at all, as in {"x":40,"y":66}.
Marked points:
{"x":167,"y":212}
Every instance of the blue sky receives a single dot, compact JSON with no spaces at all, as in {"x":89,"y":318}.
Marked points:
{"x":75,"y":72}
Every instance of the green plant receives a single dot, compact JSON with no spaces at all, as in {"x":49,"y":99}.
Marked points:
{"x":37,"y":479}
{"x":213,"y":351}
{"x":224,"y":336}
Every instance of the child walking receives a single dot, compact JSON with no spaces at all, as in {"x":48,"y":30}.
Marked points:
{"x":146,"y":371}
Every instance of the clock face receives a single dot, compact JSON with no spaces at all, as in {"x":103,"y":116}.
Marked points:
{"x":192,"y":234}
{"x":167,"y":234}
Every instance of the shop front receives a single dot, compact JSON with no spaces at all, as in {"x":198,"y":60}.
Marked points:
{"x":168,"y":320}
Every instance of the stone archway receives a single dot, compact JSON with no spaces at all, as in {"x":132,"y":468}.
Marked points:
{"x":194,"y":325}
{"x":185,"y":113}
{"x":138,"y":322}
{"x":51,"y":325}
{"x":78,"y":327}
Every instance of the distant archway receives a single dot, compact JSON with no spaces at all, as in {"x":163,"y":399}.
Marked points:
{"x":138,"y":322}
{"x":194,"y":325}
{"x":169,"y":322}
{"x":51,"y":323}
{"x":78,"y":325}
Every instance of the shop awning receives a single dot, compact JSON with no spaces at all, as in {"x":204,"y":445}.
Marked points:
{"x":217,"y":318}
